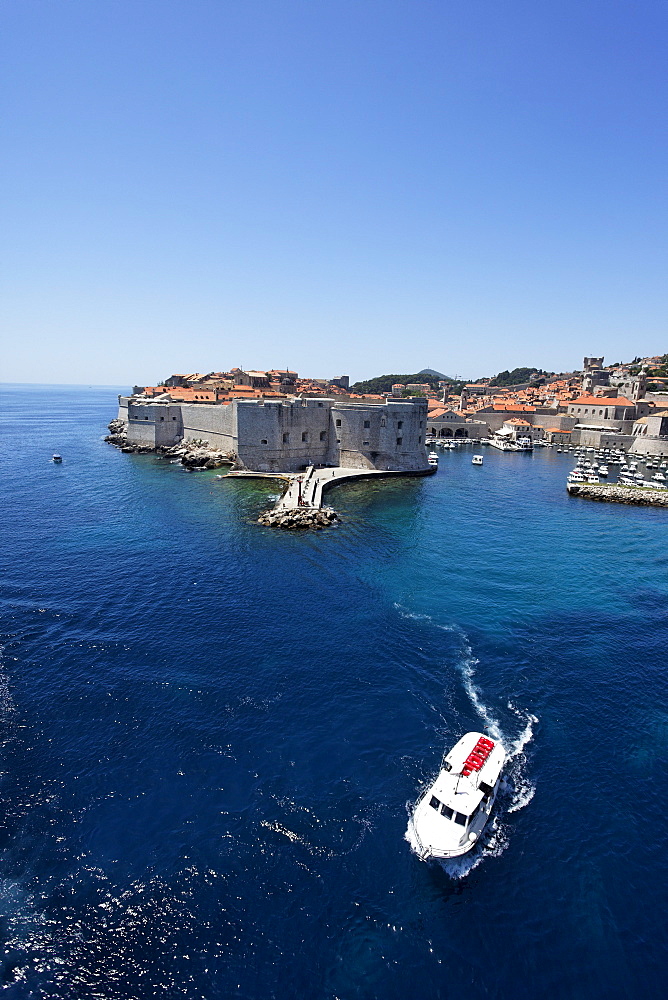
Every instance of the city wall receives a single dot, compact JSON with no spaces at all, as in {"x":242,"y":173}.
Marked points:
{"x":289,"y":435}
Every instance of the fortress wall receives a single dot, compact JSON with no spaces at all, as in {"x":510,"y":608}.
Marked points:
{"x":154,"y":425}
{"x":213,"y":423}
{"x":393,"y":439}
{"x":283,"y":435}
{"x":288,"y":435}
{"x":657,"y":446}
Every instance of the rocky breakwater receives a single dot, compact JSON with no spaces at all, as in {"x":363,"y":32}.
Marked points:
{"x":299,"y":517}
{"x":643,"y":495}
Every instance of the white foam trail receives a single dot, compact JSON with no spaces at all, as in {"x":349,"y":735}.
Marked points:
{"x":522,"y":790}
{"x":467,"y":669}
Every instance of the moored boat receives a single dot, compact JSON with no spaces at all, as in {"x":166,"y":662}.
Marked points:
{"x":476,"y":460}
{"x":449,"y":817}
{"x":57,"y":458}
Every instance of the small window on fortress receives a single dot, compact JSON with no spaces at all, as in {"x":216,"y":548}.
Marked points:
{"x":323,"y":435}
{"x":320,"y":404}
{"x":400,"y":424}
{"x":173,"y":418}
{"x":382,"y":421}
{"x":263,"y":441}
{"x":400,"y":440}
{"x":286,"y":439}
{"x":367,"y":423}
{"x":162,"y":418}
{"x":365,"y":443}
{"x":304,"y":435}
{"x":338,"y":423}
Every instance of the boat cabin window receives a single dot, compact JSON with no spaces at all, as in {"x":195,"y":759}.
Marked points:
{"x":447,"y":811}
{"x":461,"y":819}
{"x":434,"y":802}
{"x":485,"y":788}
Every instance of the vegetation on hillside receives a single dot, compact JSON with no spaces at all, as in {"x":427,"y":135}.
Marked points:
{"x":384,"y":383}
{"x":518,"y":376}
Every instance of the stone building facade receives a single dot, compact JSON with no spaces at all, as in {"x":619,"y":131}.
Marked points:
{"x":287,"y":435}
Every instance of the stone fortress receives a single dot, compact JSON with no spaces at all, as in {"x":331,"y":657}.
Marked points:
{"x":288,"y":434}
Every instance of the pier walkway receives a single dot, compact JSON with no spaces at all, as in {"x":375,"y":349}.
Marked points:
{"x":305,"y":489}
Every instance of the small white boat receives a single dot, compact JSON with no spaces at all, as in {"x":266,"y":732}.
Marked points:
{"x":449,"y":817}
{"x":576,"y":477}
{"x":56,"y":458}
{"x":476,"y":460}
{"x":659,"y":477}
{"x":603,"y":470}
{"x":592,"y":479}
{"x":433,"y":459}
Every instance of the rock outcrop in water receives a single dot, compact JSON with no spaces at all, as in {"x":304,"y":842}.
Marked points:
{"x":193,"y":454}
{"x":299,"y":517}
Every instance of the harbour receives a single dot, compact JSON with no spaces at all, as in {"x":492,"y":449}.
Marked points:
{"x":213,"y":732}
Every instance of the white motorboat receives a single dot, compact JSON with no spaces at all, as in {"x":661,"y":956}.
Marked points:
{"x":449,"y":817}
{"x":659,"y":477}
{"x":576,"y":477}
{"x":476,"y":460}
{"x":433,"y":459}
{"x":57,"y":458}
{"x":603,"y":470}
{"x":592,"y":479}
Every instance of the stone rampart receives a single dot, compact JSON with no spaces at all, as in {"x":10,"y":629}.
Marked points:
{"x":291,"y":434}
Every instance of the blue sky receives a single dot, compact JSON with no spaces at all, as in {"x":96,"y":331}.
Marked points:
{"x":340,"y":187}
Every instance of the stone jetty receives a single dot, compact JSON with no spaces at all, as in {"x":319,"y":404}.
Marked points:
{"x":301,"y":505}
{"x":643,"y":495}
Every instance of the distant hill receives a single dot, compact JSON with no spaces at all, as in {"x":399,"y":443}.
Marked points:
{"x":384,"y":383}
{"x":439,"y":375}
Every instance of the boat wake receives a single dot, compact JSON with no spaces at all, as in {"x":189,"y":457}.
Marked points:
{"x":520,"y":789}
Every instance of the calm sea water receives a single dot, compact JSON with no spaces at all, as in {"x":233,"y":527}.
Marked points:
{"x":211,"y":730}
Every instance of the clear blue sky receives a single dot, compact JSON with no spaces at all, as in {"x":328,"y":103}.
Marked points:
{"x":338,"y":186}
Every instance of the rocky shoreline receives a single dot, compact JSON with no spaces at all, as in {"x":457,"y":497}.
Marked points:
{"x":642,"y":496}
{"x":193,"y":454}
{"x":299,"y":517}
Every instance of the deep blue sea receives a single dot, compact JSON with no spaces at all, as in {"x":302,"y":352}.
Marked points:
{"x":211,"y":731}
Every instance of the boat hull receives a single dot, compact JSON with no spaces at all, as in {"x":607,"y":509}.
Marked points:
{"x":450,"y":816}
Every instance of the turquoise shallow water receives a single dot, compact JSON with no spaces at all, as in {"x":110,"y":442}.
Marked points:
{"x":211,"y":730}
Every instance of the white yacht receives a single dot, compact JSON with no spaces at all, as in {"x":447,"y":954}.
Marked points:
{"x":576,"y":476}
{"x":433,"y":459}
{"x":449,"y":817}
{"x":476,"y":460}
{"x":659,"y":477}
{"x":603,"y":470}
